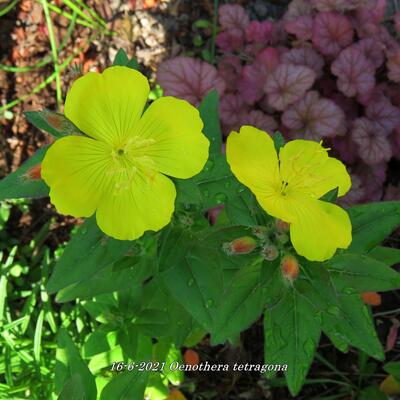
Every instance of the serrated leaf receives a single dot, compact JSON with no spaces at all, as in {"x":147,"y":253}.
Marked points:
{"x":17,"y":185}
{"x":362,"y":273}
{"x":372,"y":223}
{"x":69,"y":363}
{"x":55,"y":123}
{"x":291,"y":336}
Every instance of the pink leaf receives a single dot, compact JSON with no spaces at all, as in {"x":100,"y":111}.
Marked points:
{"x":231,"y":107}
{"x":373,"y":145}
{"x":301,"y":27}
{"x":392,"y":336}
{"x":259,"y":32}
{"x":260,"y":120}
{"x":332,"y":32}
{"x":373,"y":177}
{"x":334,"y":5}
{"x":372,"y":49}
{"x":367,"y":19}
{"x":230,"y":40}
{"x":315,"y":117}
{"x":255,"y":75}
{"x":384,"y":114}
{"x":297,"y":8}
{"x":188,"y":78}
{"x":354,"y":72}
{"x":233,"y":16}
{"x":278,"y":34}
{"x":393,"y":66}
{"x":347,"y":105}
{"x":287,"y":84}
{"x":305,"y":56}
{"x":355,"y":195}
{"x":347,"y":149}
{"x":389,"y":42}
{"x":396,"y":20}
{"x":230,"y":70}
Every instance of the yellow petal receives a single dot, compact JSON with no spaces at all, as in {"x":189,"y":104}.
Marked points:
{"x":107,"y":106}
{"x":320,"y":228}
{"x":75,"y":168}
{"x":253,"y":160}
{"x":170,"y":135}
{"x":146,"y":203}
{"x":307,"y":168}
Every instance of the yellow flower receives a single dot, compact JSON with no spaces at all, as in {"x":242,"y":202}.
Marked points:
{"x":118,"y":169}
{"x":289,"y":188}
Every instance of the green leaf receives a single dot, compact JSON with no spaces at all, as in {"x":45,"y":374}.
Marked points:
{"x":372,"y":223}
{"x":387,"y":255}
{"x":192,"y":267}
{"x":70,"y":363}
{"x":73,"y":389}
{"x":253,"y":286}
{"x":16,"y":185}
{"x":99,"y":341}
{"x":331,"y":196}
{"x":372,"y":393}
{"x":89,"y":251}
{"x":166,"y":351}
{"x":128,"y":385}
{"x":279,"y":141}
{"x":345,"y":318}
{"x":291,"y":337}
{"x":356,"y":272}
{"x":393,"y":368}
{"x":121,"y":58}
{"x":55,"y":123}
{"x":209,"y":114}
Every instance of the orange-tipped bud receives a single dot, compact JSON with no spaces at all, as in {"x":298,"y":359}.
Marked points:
{"x":270,"y":252}
{"x":34,"y":172}
{"x":390,"y":386}
{"x":243,"y":245}
{"x":282,"y":226}
{"x":290,"y":267}
{"x":191,"y":357}
{"x":176,"y":394}
{"x":372,"y":298}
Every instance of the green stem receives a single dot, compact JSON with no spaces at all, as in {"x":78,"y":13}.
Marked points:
{"x":70,"y":16}
{"x":8,"y":8}
{"x":92,"y":13}
{"x":54,"y":52}
{"x":214,"y":29}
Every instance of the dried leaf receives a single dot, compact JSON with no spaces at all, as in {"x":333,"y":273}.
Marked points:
{"x":373,"y":50}
{"x":315,"y":117}
{"x":332,"y":32}
{"x":188,"y":78}
{"x":354,"y":72}
{"x":392,"y":336}
{"x":373,"y":144}
{"x":233,"y":16}
{"x":254,"y":76}
{"x":230,"y":71}
{"x":393,"y":66}
{"x":259,"y":32}
{"x":260,"y":120}
{"x":384,"y":114}
{"x":230,"y":40}
{"x":301,"y":27}
{"x":287,"y":84}
{"x":305,"y":56}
